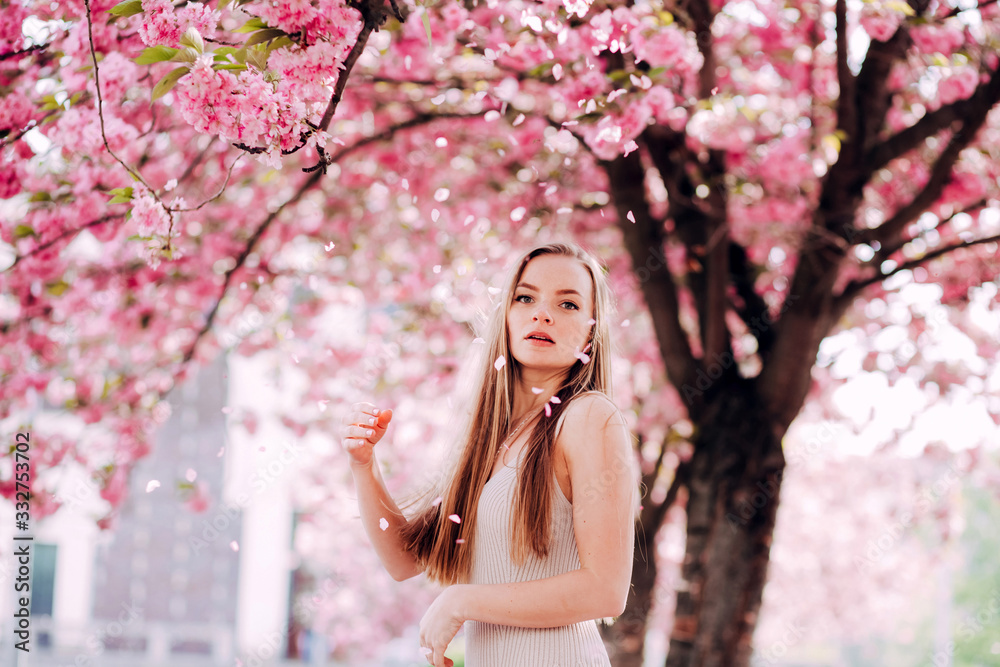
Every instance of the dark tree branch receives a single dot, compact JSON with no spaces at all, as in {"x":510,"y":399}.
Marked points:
{"x":846,"y":118}
{"x":62,"y":235}
{"x":853,"y":288}
{"x":384,"y":135}
{"x":754,"y":306}
{"x":657,"y":513}
{"x":986,"y":95}
{"x":373,"y":14}
{"x":23,"y":52}
{"x":892,"y":228}
{"x":307,"y":185}
{"x":644,"y":240}
{"x":888,"y":250}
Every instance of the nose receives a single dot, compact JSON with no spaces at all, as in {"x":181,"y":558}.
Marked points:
{"x":542,"y":313}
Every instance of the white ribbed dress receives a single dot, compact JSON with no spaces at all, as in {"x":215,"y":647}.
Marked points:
{"x":492,"y":645}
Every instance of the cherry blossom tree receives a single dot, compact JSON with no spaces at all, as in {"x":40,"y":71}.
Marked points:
{"x":182,"y":180}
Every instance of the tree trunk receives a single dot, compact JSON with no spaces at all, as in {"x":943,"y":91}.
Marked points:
{"x":735,"y":479}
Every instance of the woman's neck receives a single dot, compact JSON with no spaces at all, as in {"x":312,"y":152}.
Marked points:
{"x":527,"y":397}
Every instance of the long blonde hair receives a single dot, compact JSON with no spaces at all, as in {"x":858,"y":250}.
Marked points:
{"x":444,"y":548}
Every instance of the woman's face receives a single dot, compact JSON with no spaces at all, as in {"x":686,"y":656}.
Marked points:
{"x":553,"y":299}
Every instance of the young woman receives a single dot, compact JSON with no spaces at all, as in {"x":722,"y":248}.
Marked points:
{"x":532,"y":526}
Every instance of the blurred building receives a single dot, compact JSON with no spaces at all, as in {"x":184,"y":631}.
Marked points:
{"x":197,"y":569}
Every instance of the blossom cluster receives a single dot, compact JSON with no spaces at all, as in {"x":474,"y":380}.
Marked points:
{"x":162,"y":25}
{"x":245,"y":109}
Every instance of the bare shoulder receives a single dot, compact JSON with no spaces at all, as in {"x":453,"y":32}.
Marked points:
{"x":589,"y":417}
{"x":591,"y":410}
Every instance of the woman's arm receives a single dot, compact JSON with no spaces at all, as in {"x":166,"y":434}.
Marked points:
{"x":604,"y":475}
{"x":363,"y":427}
{"x":605,"y":483}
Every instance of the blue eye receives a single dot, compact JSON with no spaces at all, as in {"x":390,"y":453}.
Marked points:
{"x":521,"y":296}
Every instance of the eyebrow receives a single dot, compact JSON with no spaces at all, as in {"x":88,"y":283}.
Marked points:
{"x":558,"y":291}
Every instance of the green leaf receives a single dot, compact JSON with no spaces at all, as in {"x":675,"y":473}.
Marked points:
{"x":229,"y":66}
{"x":185,"y":55}
{"x":253,"y":24}
{"x":427,"y":29}
{"x":121,"y":196}
{"x":278,"y":43}
{"x":155,"y":54}
{"x":258,"y":58}
{"x":49,"y":103}
{"x":40,"y":196}
{"x":192,"y":38}
{"x":164,"y":85}
{"x":127,"y":8}
{"x":22,"y":231}
{"x":57,"y":288}
{"x":265,"y":35}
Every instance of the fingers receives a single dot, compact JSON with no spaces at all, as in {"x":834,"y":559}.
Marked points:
{"x":363,"y":414}
{"x":357,"y":432}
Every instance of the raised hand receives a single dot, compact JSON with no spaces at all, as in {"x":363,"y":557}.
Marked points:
{"x":364,"y":425}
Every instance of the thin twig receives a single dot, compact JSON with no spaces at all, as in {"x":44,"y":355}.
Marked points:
{"x":856,"y":287}
{"x":23,"y":52}
{"x":216,"y":195}
{"x":241,"y":260}
{"x":66,"y":232}
{"x":100,"y":103}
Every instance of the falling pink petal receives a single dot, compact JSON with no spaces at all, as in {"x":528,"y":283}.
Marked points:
{"x":153,"y":484}
{"x":221,"y":450}
{"x":630,"y":217}
{"x":190,"y":475}
{"x":629,"y":147}
{"x":330,"y":246}
{"x":536,"y":390}
{"x":548,"y":410}
{"x":262,"y":448}
{"x":586,"y":348}
{"x":555,"y":399}
{"x":478,"y":341}
{"x":322,"y":405}
{"x":625,"y":323}
{"x":234,"y":545}
{"x":582,"y":357}
{"x":460,"y":541}
{"x":715,"y":90}
{"x":295,"y":359}
{"x":500,"y":362}
{"x":382,"y":523}
{"x":437,"y":501}
{"x":227,"y":410}
{"x":455,"y":518}
{"x":591,"y":321}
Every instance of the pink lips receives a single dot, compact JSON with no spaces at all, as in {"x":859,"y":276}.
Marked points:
{"x":548,"y":339}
